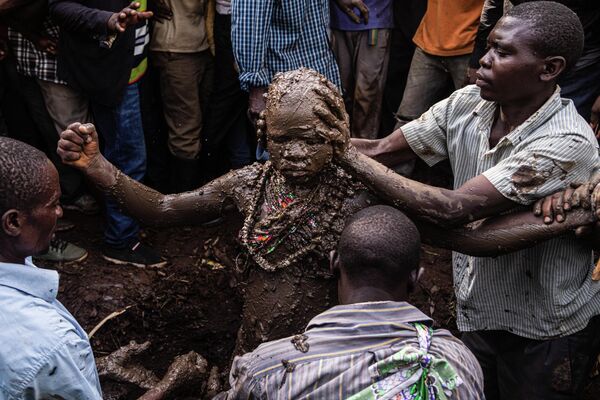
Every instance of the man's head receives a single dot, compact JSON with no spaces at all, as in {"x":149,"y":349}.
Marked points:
{"x":29,"y":200}
{"x":377,"y":256}
{"x":530,"y":47}
{"x":299,"y":143}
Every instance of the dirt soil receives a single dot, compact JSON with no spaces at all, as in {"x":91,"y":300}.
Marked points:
{"x":191,"y":304}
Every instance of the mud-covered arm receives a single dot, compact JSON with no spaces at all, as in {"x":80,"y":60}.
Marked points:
{"x":474,"y":200}
{"x":503,"y":234}
{"x":390,"y":150}
{"x":78,"y":147}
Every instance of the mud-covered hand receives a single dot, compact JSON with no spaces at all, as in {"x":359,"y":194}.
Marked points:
{"x":256,"y":102}
{"x":348,"y":6}
{"x":129,"y":16}
{"x":335,"y":123}
{"x":595,"y":117}
{"x":78,"y":145}
{"x":555,"y":206}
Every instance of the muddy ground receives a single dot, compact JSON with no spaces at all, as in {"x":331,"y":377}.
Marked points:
{"x":191,"y":304}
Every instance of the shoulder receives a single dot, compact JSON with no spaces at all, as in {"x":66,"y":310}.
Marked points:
{"x":461,"y":359}
{"x":34,"y":332}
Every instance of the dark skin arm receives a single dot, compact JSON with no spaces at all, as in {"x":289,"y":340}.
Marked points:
{"x":78,"y":147}
{"x":441,"y":213}
{"x":474,"y":200}
{"x":502,"y":234}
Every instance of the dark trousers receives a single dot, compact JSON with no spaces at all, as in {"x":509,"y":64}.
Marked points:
{"x":227,"y":130}
{"x":517,"y":368}
{"x":44,"y":135}
{"x":122,"y":137}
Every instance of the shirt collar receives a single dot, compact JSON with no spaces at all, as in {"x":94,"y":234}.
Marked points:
{"x":392,"y":312}
{"x":28,"y":278}
{"x":485,"y":110}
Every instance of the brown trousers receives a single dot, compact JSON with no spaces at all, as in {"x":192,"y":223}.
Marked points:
{"x":185,"y":85}
{"x":363,"y":70}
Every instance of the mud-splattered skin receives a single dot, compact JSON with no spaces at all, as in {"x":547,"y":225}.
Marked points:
{"x":279,"y":301}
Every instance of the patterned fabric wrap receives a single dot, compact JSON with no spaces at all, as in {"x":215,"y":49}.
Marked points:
{"x":411,"y":374}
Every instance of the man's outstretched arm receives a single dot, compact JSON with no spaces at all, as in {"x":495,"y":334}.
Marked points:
{"x":503,"y":234}
{"x":78,"y":147}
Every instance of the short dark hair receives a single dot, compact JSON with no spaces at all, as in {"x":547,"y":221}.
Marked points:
{"x":555,"y":29}
{"x":381,"y":239}
{"x":23,"y":175}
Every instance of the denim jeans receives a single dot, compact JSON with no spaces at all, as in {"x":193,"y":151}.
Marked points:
{"x":583,"y":87}
{"x":122,"y":139}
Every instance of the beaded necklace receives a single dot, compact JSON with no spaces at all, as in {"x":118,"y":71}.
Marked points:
{"x":289,"y":218}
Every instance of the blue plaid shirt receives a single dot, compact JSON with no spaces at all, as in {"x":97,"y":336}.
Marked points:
{"x":271,"y":36}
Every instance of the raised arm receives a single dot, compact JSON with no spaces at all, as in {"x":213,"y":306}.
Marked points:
{"x":78,"y":147}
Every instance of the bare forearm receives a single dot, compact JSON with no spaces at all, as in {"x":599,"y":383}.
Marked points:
{"x":431,"y":204}
{"x":503,"y":234}
{"x":389,"y":151}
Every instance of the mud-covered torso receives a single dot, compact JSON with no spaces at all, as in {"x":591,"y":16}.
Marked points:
{"x":283,"y":230}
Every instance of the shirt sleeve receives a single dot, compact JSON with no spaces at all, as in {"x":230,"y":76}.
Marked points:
{"x":427,"y":136}
{"x":490,"y":14}
{"x":75,"y":17}
{"x":250,"y":27}
{"x":243,"y":385}
{"x":68,"y":373}
{"x":546,"y":166}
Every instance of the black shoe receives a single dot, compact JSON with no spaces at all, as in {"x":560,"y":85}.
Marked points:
{"x":139,"y":255}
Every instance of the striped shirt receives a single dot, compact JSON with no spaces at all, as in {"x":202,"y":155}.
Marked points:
{"x":542,"y":292}
{"x":277,"y":36}
{"x":331,"y":360}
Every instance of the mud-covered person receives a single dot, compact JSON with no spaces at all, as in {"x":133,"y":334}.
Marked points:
{"x":530,"y":316}
{"x":293,"y":207}
{"x":44,"y":353}
{"x":373,"y":341}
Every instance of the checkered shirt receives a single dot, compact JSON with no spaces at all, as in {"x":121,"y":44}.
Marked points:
{"x":31,"y":61}
{"x":278,"y":36}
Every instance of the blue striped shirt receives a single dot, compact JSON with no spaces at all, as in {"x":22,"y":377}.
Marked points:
{"x":542,"y":292}
{"x":271,"y":36}
{"x":331,"y":360}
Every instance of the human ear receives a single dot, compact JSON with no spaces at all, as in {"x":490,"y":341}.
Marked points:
{"x":334,"y":263}
{"x":553,"y":67}
{"x":414,"y":277}
{"x":12,"y":222}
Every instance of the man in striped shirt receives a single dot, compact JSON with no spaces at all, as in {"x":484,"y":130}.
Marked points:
{"x":529,"y":316}
{"x":374,"y":343}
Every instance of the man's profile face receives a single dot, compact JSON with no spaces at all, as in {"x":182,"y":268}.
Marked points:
{"x":297,"y":151}
{"x":510,"y":70}
{"x":40,"y":221}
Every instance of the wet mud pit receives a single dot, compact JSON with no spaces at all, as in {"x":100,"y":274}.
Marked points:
{"x":193,"y":303}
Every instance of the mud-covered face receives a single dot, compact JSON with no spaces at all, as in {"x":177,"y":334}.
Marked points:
{"x":296,"y":149}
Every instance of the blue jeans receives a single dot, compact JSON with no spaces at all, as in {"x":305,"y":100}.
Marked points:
{"x":583,"y":87}
{"x":122,"y":137}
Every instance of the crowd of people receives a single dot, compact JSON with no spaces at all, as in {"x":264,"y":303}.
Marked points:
{"x":329,"y":97}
